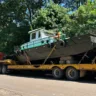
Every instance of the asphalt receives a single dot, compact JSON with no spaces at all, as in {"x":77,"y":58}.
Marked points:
{"x":28,"y":85}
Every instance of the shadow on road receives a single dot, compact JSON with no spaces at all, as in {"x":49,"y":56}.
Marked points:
{"x":42,"y":75}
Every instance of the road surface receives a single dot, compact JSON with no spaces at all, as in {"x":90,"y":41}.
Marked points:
{"x":12,"y":85}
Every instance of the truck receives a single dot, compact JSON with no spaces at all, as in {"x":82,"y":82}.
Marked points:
{"x":71,"y":71}
{"x":73,"y":58}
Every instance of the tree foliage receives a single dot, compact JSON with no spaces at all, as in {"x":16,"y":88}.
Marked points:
{"x":81,"y":21}
{"x":74,"y":4}
{"x":85,"y":18}
{"x":13,"y":25}
{"x":50,"y":17}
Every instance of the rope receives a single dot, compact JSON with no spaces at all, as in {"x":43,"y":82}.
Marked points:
{"x":85,"y":55}
{"x":27,"y":58}
{"x":93,"y":61}
{"x":49,"y":54}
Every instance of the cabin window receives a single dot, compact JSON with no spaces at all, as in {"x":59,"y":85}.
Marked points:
{"x":39,"y":35}
{"x":34,"y":36}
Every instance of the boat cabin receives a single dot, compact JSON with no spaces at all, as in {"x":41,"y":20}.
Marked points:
{"x":37,"y":34}
{"x":38,"y":37}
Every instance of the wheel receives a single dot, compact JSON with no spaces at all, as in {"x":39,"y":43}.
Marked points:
{"x":4,"y":69}
{"x":72,"y":74}
{"x":57,"y":73}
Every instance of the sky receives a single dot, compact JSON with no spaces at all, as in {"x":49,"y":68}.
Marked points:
{"x":1,"y":1}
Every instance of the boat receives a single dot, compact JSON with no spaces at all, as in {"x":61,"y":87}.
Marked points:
{"x":42,"y":42}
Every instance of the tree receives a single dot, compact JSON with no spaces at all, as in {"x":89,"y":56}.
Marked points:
{"x":55,"y":1}
{"x":19,"y":10}
{"x":84,"y":19}
{"x":15,"y":19}
{"x":31,"y":7}
{"x":12,"y":20}
{"x":74,"y":4}
{"x":50,"y":17}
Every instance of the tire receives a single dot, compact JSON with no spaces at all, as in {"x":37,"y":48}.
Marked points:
{"x":57,"y":73}
{"x":72,"y":74}
{"x":4,"y":69}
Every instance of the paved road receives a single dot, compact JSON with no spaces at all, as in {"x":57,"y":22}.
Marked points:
{"x":11,"y":85}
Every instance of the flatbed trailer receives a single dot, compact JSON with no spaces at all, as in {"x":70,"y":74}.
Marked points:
{"x":71,"y":71}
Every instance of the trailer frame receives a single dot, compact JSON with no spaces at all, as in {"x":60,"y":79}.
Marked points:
{"x":71,"y":71}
